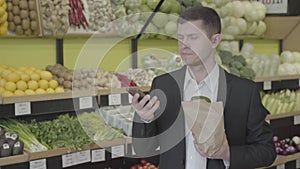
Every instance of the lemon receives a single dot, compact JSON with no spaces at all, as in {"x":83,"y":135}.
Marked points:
{"x":2,"y":10}
{"x":4,"y":66}
{"x":35,"y":76}
{"x":32,"y":68}
{"x":46,"y":75}
{"x":32,"y":85}
{"x":1,"y":90}
{"x":21,"y":85}
{"x":10,"y":86}
{"x":5,"y":6}
{"x":7,"y":93}
{"x":59,"y":90}
{"x":53,"y":84}
{"x":50,"y":90}
{"x":28,"y":71}
{"x":22,"y":68}
{"x":1,"y":69}
{"x":40,"y":91}
{"x":43,"y":84}
{"x":3,"y":18}
{"x":25,"y":77}
{"x":38,"y":71}
{"x":29,"y":92}
{"x":2,"y":82}
{"x":5,"y":73}
{"x":14,"y":77}
{"x":19,"y":93}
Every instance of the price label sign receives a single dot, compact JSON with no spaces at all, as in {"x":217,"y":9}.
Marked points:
{"x":98,"y":155}
{"x":83,"y":157}
{"x":133,"y":152}
{"x":299,"y":82}
{"x":129,"y":98}
{"x":68,"y":160}
{"x":296,"y":120}
{"x":38,"y":164}
{"x":85,"y":102}
{"x":275,"y":7}
{"x":267,"y":85}
{"x":114,"y":99}
{"x":298,"y":163}
{"x":117,"y":151}
{"x":22,"y":108}
{"x":280,"y":166}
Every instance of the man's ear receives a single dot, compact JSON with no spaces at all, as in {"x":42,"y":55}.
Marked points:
{"x":216,"y":39}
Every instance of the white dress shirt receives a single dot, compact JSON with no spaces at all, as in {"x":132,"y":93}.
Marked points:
{"x":207,"y":87}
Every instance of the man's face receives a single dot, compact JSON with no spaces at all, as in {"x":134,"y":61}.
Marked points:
{"x":194,"y":45}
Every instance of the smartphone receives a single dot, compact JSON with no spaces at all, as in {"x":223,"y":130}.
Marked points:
{"x":133,"y":90}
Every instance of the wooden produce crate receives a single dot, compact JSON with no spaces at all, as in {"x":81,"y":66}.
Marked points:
{"x":14,"y":159}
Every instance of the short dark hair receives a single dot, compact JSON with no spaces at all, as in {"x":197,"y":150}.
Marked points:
{"x":210,"y":18}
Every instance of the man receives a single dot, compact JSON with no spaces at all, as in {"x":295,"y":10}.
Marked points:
{"x":159,"y":121}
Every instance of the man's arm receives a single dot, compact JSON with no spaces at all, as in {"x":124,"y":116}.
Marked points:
{"x":260,"y":148}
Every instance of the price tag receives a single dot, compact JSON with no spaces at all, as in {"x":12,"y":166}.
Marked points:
{"x":267,"y":85}
{"x":275,"y":7}
{"x":133,"y":152}
{"x":298,"y":163}
{"x":299,"y":82}
{"x":22,"y":108}
{"x":38,"y":164}
{"x":68,"y":160}
{"x":129,"y":98}
{"x":98,"y":155}
{"x":85,"y":102}
{"x":117,"y":151}
{"x":83,"y":157}
{"x":281,"y":166}
{"x":296,"y":120}
{"x":114,"y":99}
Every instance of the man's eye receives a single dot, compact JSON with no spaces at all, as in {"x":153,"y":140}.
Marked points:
{"x":193,"y":37}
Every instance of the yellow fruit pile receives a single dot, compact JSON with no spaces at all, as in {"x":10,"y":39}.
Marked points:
{"x":3,"y":18}
{"x":26,"y":81}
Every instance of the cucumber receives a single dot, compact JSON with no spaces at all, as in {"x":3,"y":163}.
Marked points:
{"x":204,"y":98}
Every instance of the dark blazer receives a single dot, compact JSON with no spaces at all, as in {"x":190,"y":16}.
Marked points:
{"x":249,"y":136}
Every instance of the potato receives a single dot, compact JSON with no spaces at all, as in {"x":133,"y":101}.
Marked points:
{"x":15,"y":2}
{"x":32,"y":15}
{"x":33,"y":25}
{"x":17,"y":20}
{"x":16,"y":10}
{"x":60,"y":80}
{"x":11,"y":26}
{"x":61,"y":73}
{"x":9,"y":6}
{"x":68,"y":77}
{"x":67,"y":84}
{"x":24,"y":14}
{"x":23,"y":4}
{"x":55,"y":71}
{"x":10,"y":17}
{"x":26,"y":24}
{"x":28,"y":32}
{"x":68,"y":90}
{"x":19,"y":30}
{"x":31,"y":5}
{"x":54,"y":77}
{"x":49,"y":68}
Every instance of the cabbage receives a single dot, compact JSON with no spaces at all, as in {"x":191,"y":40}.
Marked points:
{"x":220,"y":3}
{"x":242,"y":24}
{"x":261,"y":28}
{"x":251,"y":16}
{"x":287,"y":57}
{"x":287,"y":69}
{"x":160,"y":19}
{"x":232,"y":30}
{"x":251,"y":27}
{"x":247,"y":6}
{"x":145,"y":8}
{"x":224,"y":45}
{"x":225,"y":10}
{"x":238,"y":9}
{"x":175,"y":8}
{"x":166,"y":6}
{"x":152,"y":3}
{"x":171,"y":28}
{"x":297,"y":67}
{"x":296,"y":56}
{"x":151,"y":28}
{"x":258,"y":6}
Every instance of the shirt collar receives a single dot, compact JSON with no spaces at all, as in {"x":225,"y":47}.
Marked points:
{"x":211,"y":80}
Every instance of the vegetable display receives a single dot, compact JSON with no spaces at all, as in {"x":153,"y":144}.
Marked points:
{"x":144,"y":164}
{"x":10,"y":144}
{"x":76,"y":14}
{"x":22,"y":17}
{"x":287,"y":146}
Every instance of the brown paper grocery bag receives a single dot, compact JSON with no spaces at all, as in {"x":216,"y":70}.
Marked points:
{"x":206,"y":122}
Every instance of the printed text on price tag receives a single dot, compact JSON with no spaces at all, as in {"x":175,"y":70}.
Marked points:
{"x":267,"y":85}
{"x":22,"y":108}
{"x":85,"y":102}
{"x":38,"y":164}
{"x":83,"y":157}
{"x":114,"y":99}
{"x":117,"y":151}
{"x":68,"y":160}
{"x":98,"y":155}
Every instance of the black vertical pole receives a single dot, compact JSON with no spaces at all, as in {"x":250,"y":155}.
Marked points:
{"x":280,"y":46}
{"x":134,"y":41}
{"x":60,"y":51}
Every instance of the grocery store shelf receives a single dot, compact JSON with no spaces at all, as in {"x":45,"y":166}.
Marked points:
{"x":284,"y":159}
{"x":277,"y":78}
{"x":119,"y":90}
{"x":282,"y":115}
{"x":14,"y":159}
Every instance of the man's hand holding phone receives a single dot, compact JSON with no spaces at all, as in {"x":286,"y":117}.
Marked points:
{"x":146,"y":107}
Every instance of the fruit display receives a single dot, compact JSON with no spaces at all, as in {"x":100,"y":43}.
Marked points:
{"x":281,"y":102}
{"x":54,"y":16}
{"x":287,"y":146}
{"x":239,"y":17}
{"x":144,"y":164}
{"x":10,"y":144}
{"x":76,"y":14}
{"x":141,"y":77}
{"x":26,"y":81}
{"x":23,"y":17}
{"x":235,"y":64}
{"x":3,"y":18}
